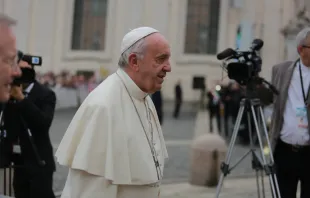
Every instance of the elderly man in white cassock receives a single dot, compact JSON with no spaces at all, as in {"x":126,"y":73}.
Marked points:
{"x":114,"y":146}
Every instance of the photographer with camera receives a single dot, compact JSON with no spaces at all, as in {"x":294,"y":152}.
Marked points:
{"x":27,"y":118}
{"x":290,"y":120}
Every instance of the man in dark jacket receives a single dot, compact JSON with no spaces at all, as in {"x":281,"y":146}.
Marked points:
{"x":31,"y":108}
{"x":158,"y":103}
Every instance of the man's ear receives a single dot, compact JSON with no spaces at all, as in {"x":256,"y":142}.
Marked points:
{"x":299,"y":49}
{"x":133,"y":62}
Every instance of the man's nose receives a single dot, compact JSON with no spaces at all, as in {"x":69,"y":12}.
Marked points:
{"x":167,"y":67}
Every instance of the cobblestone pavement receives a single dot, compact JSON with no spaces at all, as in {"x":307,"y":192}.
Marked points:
{"x":178,"y":135}
{"x":232,"y":188}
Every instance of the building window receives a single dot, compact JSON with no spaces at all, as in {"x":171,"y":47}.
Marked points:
{"x":202,"y":26}
{"x":89,"y":25}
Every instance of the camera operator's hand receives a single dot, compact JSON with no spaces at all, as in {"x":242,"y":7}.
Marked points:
{"x":24,"y":64}
{"x":17,"y":93}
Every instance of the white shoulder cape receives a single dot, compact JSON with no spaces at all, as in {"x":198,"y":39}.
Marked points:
{"x":105,"y":138}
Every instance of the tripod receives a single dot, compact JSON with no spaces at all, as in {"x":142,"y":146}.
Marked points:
{"x":253,"y":109}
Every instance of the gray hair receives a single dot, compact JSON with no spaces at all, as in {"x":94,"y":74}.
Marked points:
{"x":138,"y":48}
{"x":302,"y":36}
{"x":6,"y":20}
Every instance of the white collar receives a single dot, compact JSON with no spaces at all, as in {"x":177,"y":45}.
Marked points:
{"x":29,"y":88}
{"x":303,"y":67}
{"x":132,"y":87}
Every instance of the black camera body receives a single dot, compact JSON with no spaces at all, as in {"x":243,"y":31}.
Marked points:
{"x":28,"y":74}
{"x":243,"y":66}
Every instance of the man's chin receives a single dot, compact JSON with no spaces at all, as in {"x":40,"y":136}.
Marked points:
{"x":158,"y":88}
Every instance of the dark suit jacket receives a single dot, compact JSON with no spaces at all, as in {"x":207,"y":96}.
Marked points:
{"x":281,"y":79}
{"x":37,"y":112}
{"x":158,"y":103}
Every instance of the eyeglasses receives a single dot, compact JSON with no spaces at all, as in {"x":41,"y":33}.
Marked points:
{"x":13,"y":63}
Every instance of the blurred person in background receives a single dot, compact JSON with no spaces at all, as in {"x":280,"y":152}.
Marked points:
{"x":92,"y":83}
{"x":226,"y":102}
{"x":178,"y":99}
{"x":213,"y":106}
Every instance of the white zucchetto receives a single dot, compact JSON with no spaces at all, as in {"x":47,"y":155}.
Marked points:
{"x":134,"y":36}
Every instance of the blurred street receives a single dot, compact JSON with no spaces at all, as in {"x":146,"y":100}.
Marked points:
{"x":232,"y":188}
{"x":178,"y":135}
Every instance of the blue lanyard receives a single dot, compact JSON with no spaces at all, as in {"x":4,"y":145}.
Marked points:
{"x":302,"y":86}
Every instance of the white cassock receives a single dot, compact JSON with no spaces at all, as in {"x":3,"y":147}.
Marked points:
{"x":110,"y":142}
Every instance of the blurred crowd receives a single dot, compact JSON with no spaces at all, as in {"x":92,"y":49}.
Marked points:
{"x":68,"y":80}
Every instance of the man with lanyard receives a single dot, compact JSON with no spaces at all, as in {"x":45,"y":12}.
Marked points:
{"x":289,"y":123}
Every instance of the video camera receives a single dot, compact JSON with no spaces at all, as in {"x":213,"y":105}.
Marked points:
{"x":28,"y":74}
{"x":243,"y":66}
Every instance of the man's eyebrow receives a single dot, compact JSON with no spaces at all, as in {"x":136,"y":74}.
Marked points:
{"x":162,"y":55}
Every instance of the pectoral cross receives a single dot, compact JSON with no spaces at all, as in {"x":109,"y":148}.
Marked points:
{"x":156,"y":163}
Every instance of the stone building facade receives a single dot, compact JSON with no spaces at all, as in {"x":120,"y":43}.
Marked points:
{"x":86,"y":34}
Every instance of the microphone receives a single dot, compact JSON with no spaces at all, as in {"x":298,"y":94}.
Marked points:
{"x":226,"y":53}
{"x":257,"y":44}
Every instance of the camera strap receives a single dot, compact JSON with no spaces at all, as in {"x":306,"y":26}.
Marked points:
{"x":305,"y":97}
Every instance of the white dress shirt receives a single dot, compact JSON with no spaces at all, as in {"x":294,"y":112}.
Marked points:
{"x":295,"y":125}
{"x":28,"y":89}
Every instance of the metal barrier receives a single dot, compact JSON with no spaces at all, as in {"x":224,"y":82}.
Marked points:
{"x":69,"y":98}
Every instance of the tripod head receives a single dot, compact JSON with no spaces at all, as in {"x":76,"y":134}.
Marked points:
{"x":259,"y":81}
{"x":259,"y":88}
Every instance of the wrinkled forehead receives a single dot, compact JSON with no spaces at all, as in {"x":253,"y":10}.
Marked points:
{"x":8,"y":51}
{"x":158,"y":44}
{"x":7,"y":44}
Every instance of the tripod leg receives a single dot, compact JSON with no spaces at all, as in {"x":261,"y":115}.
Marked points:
{"x":262,"y":150}
{"x":10,"y":182}
{"x":4,"y":181}
{"x":263,"y":186}
{"x":225,"y":165}
{"x":270,"y":152}
{"x":255,"y":161}
{"x":257,"y":183}
{"x":250,"y":129}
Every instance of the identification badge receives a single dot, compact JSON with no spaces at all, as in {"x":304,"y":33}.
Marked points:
{"x":301,"y":115}
{"x":3,"y":133}
{"x":16,"y":149}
